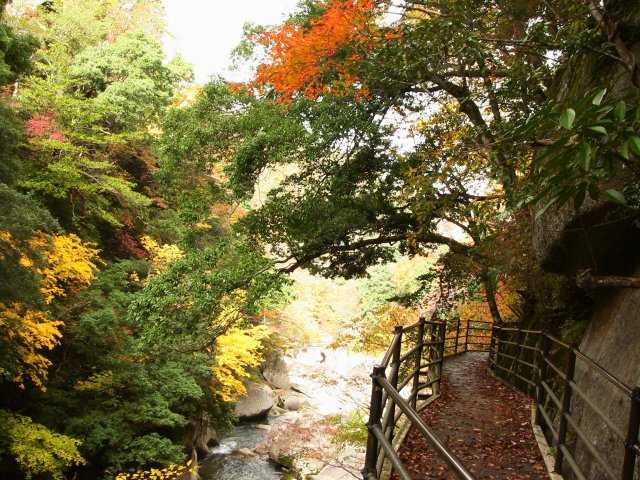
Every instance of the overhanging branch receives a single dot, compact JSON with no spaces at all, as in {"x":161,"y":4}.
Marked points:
{"x":434,"y":238}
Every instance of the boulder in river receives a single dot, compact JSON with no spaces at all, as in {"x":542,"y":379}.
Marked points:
{"x":276,"y":372}
{"x":259,"y":399}
{"x":245,"y":452}
{"x":294,"y":402}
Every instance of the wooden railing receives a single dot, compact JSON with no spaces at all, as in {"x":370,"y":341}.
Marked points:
{"x":534,"y":361}
{"x":410,"y":375}
{"x":545,"y":367}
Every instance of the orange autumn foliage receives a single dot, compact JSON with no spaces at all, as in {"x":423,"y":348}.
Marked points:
{"x":318,"y":59}
{"x":478,"y":310}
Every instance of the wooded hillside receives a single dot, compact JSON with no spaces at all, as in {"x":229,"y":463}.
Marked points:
{"x":135,"y":274}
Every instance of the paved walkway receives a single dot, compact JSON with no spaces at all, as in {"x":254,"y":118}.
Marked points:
{"x":486,"y":423}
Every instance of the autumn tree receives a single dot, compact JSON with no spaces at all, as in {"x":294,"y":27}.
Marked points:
{"x":126,"y":288}
{"x":422,"y":126}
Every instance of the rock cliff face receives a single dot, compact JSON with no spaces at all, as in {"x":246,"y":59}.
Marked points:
{"x":564,"y":239}
{"x":600,"y":237}
{"x":613,"y":340}
{"x":605,"y":239}
{"x":276,"y":372}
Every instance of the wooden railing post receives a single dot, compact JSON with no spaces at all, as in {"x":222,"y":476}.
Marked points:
{"x":543,"y":347}
{"x":418,"y":363}
{"x":564,"y":411}
{"x":631,"y":443}
{"x":455,"y":347}
{"x":375,"y":413}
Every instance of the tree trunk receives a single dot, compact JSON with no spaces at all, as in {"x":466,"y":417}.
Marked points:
{"x":490,"y":292}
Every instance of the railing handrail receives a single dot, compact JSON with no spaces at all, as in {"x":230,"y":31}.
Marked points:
{"x":605,"y":373}
{"x":386,"y":388}
{"x":433,"y":439}
{"x":538,"y":379}
{"x":508,"y":346}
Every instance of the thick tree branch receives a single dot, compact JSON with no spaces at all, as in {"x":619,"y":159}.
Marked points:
{"x":467,"y":106}
{"x":587,"y":281}
{"x":435,"y":238}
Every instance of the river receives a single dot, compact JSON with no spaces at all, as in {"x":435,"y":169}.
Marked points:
{"x":224,"y":464}
{"x":338,"y":386}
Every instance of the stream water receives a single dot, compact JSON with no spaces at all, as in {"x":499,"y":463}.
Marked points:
{"x":223,"y":464}
{"x":336,"y":386}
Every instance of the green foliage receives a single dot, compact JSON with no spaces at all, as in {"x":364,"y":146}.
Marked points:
{"x":133,"y":363}
{"x":598,"y":142}
{"x":15,"y":53}
{"x":178,"y":306}
{"x":351,"y":430}
{"x":91,"y":100}
{"x":128,"y":405}
{"x":36,"y":450}
{"x":127,"y":80}
{"x":11,"y":137}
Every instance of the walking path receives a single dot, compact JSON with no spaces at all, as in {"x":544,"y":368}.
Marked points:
{"x":486,"y":423}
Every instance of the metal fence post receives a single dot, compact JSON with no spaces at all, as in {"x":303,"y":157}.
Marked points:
{"x":375,"y":413}
{"x":455,"y":348}
{"x":393,"y":380}
{"x":418,"y":363}
{"x":631,"y":443}
{"x":492,"y":345}
{"x":541,"y":374}
{"x":466,"y":338}
{"x":564,"y":412}
{"x":443,"y":332}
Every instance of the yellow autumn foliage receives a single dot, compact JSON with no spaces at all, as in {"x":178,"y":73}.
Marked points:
{"x":377,"y":335}
{"x":172,"y":472}
{"x":65,"y":264}
{"x":478,"y":310}
{"x":161,"y":256}
{"x":27,"y":333}
{"x":38,"y":451}
{"x":97,"y":382}
{"x":231,"y":308}
{"x":237,"y":352}
{"x":9,"y":246}
{"x":70,"y":264}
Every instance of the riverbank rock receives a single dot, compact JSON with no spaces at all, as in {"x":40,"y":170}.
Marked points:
{"x":294,"y":402}
{"x":276,"y":372}
{"x":259,"y":400}
{"x":245,"y":452}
